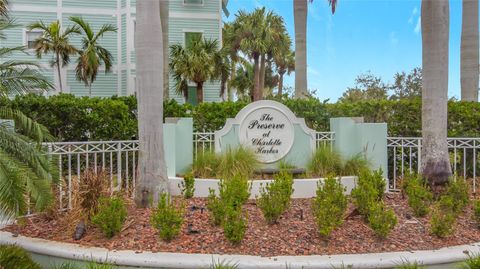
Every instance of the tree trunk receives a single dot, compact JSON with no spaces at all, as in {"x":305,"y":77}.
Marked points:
{"x":435,"y":34}
{"x":257,"y":94}
{"x":59,"y":73}
{"x":300,"y":19}
{"x":469,"y":47}
{"x":200,"y":92}
{"x":90,"y":88}
{"x":280,"y":83}
{"x":152,"y":170}
{"x":262,"y":74}
{"x":164,"y":17}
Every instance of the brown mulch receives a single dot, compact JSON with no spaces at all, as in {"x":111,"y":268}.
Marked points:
{"x":294,"y":234}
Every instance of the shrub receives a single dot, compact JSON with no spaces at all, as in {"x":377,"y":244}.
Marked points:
{"x":285,"y":166}
{"x":237,"y":162}
{"x":275,"y":197}
{"x":381,"y":220}
{"x":14,"y":257}
{"x":419,"y":196}
{"x":233,"y":192}
{"x":111,"y":215}
{"x":476,"y":212}
{"x":235,"y":224}
{"x":459,"y":191}
{"x":223,"y":265}
{"x":325,"y":161}
{"x":167,"y":219}
{"x":205,"y":164}
{"x":409,"y":265}
{"x":329,"y":206}
{"x":188,"y":186}
{"x":369,"y":190}
{"x":472,"y":262}
{"x":90,"y":265}
{"x":92,"y":187}
{"x":443,"y":217}
{"x":355,"y":165}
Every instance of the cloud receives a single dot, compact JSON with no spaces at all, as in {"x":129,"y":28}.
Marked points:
{"x":393,"y":38}
{"x":418,"y":26}
{"x":313,"y":71}
{"x":413,"y":15}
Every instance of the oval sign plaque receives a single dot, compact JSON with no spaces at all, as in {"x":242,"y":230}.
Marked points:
{"x":269,"y":132}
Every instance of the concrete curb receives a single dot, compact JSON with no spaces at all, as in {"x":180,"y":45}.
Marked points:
{"x":126,"y":258}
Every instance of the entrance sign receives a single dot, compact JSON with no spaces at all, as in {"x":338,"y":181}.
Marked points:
{"x":271,"y":130}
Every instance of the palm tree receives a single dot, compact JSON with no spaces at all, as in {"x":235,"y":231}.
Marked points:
{"x":92,"y":54}
{"x":152,"y":169}
{"x":435,"y":34}
{"x":4,"y":8}
{"x":164,"y":14}
{"x":25,"y":170}
{"x":300,"y":19}
{"x":285,"y":64}
{"x":56,"y":41}
{"x":200,"y":61}
{"x":469,"y":59}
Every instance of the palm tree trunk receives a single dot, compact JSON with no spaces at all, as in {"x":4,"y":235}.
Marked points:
{"x":164,"y":16}
{"x":262,"y":74}
{"x":469,"y":47}
{"x":257,"y":95}
{"x":200,"y":92}
{"x":90,"y":88}
{"x":435,"y":34}
{"x":152,"y":170}
{"x":300,"y":19}
{"x":280,"y":83}
{"x":59,"y":72}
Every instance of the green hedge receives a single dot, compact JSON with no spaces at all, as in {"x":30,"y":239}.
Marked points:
{"x":72,"y":118}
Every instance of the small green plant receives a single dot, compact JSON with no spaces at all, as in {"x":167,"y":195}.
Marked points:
{"x":325,"y":161}
{"x":205,"y":164}
{"x":167,"y":219}
{"x":355,"y":165}
{"x":476,"y":212}
{"x":222,"y":264}
{"x":188,"y":186}
{"x":409,"y":265}
{"x":235,"y":224}
{"x":459,"y":191}
{"x":443,"y":217}
{"x":381,"y":220}
{"x":275,"y":197}
{"x":285,"y":166}
{"x":369,"y":190}
{"x":111,"y":215}
{"x":419,"y":196}
{"x":472,"y":262}
{"x":233,"y":192}
{"x":90,"y":265}
{"x":240,"y":161}
{"x":329,"y":206}
{"x":14,"y":257}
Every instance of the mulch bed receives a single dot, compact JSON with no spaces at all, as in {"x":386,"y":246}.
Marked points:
{"x":294,"y":234}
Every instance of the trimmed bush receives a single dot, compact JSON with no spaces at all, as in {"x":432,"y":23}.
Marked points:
{"x":329,"y":206}
{"x":235,"y":224}
{"x":370,"y":189}
{"x":381,"y":220}
{"x":188,"y":186}
{"x":216,"y":207}
{"x":14,"y":257}
{"x":110,"y":216}
{"x":275,"y":197}
{"x":443,"y":217}
{"x":419,"y":196}
{"x":459,"y":191}
{"x":167,"y":219}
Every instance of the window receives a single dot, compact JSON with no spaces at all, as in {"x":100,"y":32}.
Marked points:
{"x":193,"y":2}
{"x":31,"y":37}
{"x":190,"y":36}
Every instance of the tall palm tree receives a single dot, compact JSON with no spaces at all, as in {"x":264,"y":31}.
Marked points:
{"x":469,"y":58}
{"x":4,"y":8}
{"x":92,"y":54}
{"x":164,"y":14}
{"x":199,"y":62}
{"x":435,"y":34}
{"x":285,"y":64}
{"x":54,"y":40}
{"x":152,"y":169}
{"x":300,"y":8}
{"x":25,"y":170}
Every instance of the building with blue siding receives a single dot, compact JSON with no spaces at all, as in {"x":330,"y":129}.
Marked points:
{"x":187,"y":18}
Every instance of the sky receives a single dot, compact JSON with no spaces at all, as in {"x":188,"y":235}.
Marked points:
{"x":378,"y":36}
